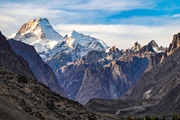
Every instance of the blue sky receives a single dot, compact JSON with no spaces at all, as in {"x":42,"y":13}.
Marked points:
{"x":117,"y":22}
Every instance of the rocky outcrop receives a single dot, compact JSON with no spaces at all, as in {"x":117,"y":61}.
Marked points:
{"x":40,"y":69}
{"x":136,"y":47}
{"x":12,"y":61}
{"x":155,"y":60}
{"x":174,"y":45}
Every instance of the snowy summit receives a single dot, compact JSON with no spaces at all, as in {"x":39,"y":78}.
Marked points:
{"x":39,"y":33}
{"x":48,"y":42}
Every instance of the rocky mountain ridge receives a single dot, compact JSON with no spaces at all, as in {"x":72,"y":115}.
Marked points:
{"x":101,"y":68}
{"x":166,"y":74}
{"x":79,"y":54}
{"x":39,"y":33}
{"x":161,"y":83}
{"x":12,"y":61}
{"x":40,"y":69}
{"x":22,"y":95}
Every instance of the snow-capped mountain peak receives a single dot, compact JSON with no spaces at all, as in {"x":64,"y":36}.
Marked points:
{"x":39,"y":33}
{"x":155,"y":46}
{"x":74,"y":38}
{"x":40,"y":28}
{"x":47,"y":42}
{"x":153,"y":43}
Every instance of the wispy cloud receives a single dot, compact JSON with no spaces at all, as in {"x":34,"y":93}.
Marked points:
{"x":93,"y":4}
{"x":5,"y":18}
{"x":30,"y":10}
{"x":93,"y":17}
{"x":13,"y":15}
{"x":176,"y":15}
{"x":112,"y":5}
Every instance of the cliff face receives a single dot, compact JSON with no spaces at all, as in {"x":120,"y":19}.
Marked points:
{"x":112,"y":81}
{"x":40,"y":69}
{"x":174,"y":45}
{"x":71,"y":76}
{"x":107,"y":74}
{"x":157,"y":82}
{"x":12,"y":61}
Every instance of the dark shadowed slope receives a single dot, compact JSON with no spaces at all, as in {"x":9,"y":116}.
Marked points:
{"x":38,"y":100}
{"x":41,"y":70}
{"x":12,"y":61}
{"x":8,"y":109}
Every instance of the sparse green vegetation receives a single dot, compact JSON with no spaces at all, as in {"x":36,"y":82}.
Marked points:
{"x":174,"y":117}
{"x":129,"y":117}
{"x":22,"y":79}
{"x":148,"y":118}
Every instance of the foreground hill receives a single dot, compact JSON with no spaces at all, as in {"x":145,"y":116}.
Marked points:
{"x":38,"y":100}
{"x":9,"y":110}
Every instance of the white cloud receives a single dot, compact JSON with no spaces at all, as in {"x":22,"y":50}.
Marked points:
{"x":124,"y":36}
{"x":110,"y":5}
{"x":62,"y":14}
{"x":176,"y":15}
{"x":7,"y":19}
{"x":13,"y":15}
{"x":113,"y":5}
{"x":30,"y":10}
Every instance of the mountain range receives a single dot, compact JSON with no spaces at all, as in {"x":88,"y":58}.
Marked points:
{"x":36,"y":59}
{"x":80,"y":61}
{"x":159,"y":84}
{"x":24,"y":98}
